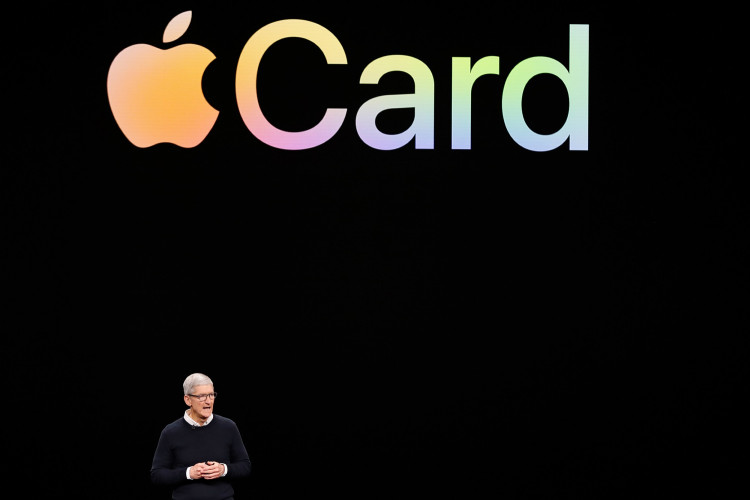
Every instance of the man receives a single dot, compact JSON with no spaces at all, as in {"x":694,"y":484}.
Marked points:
{"x":200,"y":453}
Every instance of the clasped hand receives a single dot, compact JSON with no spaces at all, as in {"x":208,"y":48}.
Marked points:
{"x":206,"y":470}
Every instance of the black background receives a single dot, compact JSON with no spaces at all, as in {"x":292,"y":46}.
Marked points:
{"x":490,"y":323}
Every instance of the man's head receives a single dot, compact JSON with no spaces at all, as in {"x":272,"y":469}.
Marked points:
{"x":199,"y":396}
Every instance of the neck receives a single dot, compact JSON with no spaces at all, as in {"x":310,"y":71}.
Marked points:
{"x":197,"y":418}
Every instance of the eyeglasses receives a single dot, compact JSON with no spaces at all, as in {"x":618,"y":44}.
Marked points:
{"x":202,"y":397}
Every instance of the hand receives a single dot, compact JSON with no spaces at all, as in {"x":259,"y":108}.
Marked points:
{"x":212,"y":470}
{"x":196,"y":471}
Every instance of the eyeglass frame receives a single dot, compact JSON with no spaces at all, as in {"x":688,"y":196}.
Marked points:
{"x":203,"y":397}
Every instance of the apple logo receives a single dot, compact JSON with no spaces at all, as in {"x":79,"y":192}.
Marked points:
{"x":156,"y":95}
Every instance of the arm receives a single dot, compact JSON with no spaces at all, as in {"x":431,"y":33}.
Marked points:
{"x":239,"y":462}
{"x":162,"y":472}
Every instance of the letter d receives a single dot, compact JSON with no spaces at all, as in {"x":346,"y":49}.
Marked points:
{"x":576,"y":82}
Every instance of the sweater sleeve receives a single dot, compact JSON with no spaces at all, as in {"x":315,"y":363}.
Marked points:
{"x":162,"y":471}
{"x":239,"y":465}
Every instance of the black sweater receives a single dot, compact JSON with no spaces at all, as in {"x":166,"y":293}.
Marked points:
{"x":182,"y":445}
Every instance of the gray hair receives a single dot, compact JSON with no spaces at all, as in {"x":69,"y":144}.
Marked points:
{"x":193,"y":380}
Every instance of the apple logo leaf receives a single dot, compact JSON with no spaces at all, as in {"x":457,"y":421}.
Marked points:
{"x":177,"y":26}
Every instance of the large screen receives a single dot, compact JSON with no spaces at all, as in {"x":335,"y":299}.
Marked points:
{"x":423,"y":251}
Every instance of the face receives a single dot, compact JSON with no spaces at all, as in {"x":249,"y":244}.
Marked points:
{"x":200,"y":410}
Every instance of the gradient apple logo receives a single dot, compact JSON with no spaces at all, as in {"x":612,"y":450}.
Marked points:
{"x":156,"y":95}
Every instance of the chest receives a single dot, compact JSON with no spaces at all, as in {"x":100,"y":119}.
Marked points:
{"x":199,"y":445}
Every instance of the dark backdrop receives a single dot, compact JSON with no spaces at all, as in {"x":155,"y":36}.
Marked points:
{"x":490,"y":323}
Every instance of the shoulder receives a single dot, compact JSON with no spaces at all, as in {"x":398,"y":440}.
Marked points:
{"x":223,"y":421}
{"x":175,"y":426}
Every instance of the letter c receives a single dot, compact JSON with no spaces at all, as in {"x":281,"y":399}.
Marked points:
{"x":247,"y":76}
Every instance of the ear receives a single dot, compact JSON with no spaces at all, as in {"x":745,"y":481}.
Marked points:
{"x":187,"y":399}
